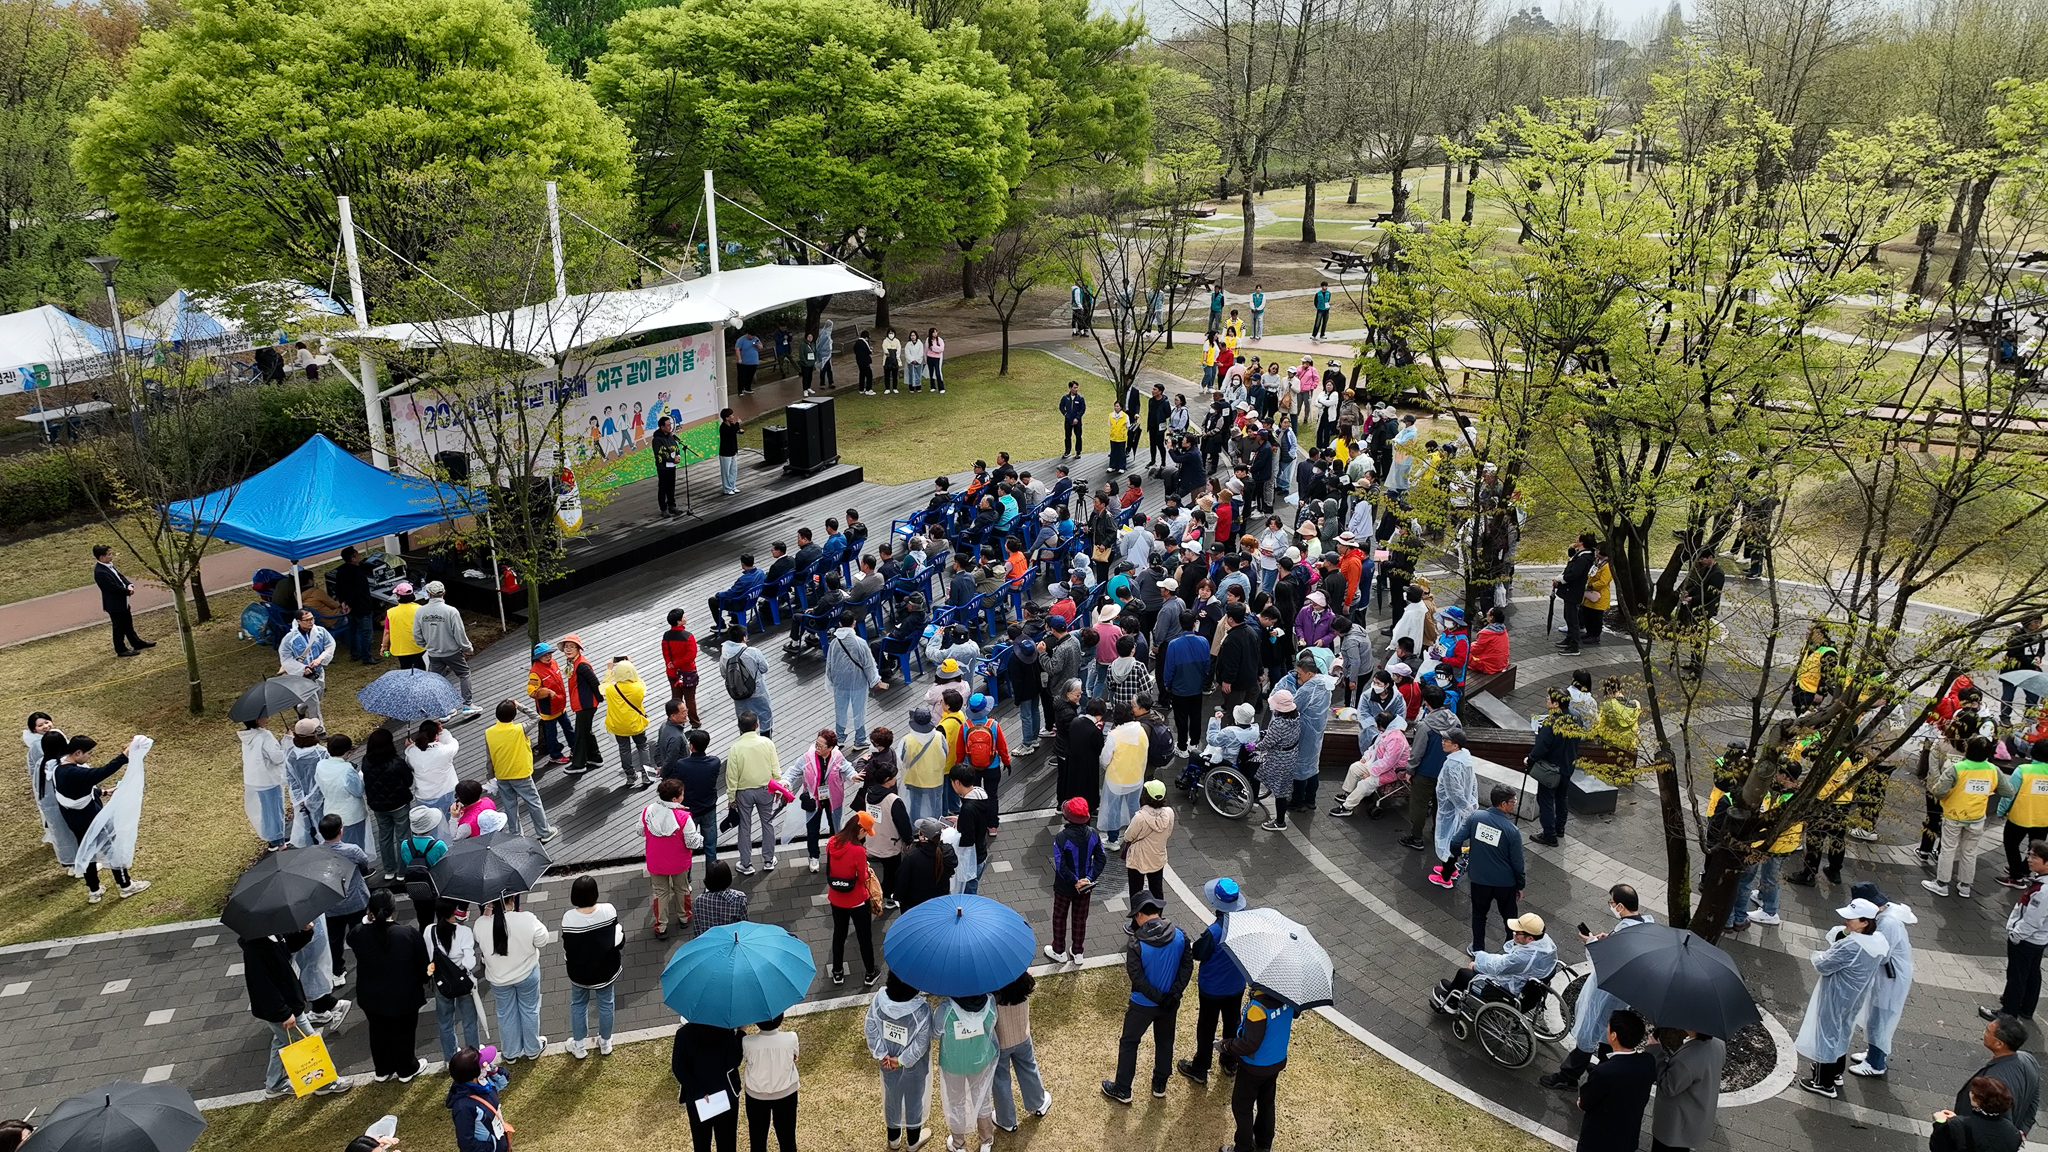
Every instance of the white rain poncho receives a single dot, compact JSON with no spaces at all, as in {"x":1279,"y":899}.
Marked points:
{"x":56,"y":833}
{"x":1595,"y":1006}
{"x":1517,"y":964}
{"x":110,"y":839}
{"x":1848,"y":966}
{"x":1887,"y":997}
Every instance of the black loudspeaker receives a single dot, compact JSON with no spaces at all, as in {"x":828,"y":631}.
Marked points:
{"x":774,"y":445}
{"x":813,"y":438}
{"x":456,"y":464}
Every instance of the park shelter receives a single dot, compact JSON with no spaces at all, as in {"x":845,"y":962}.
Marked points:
{"x":201,"y":320}
{"x":316,"y":500}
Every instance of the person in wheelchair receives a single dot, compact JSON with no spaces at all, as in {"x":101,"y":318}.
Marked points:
{"x":1226,"y":744}
{"x":1513,"y":975}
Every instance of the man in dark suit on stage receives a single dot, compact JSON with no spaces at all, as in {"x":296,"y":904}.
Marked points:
{"x":115,"y":589}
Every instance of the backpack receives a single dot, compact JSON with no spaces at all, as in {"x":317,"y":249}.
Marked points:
{"x":1159,"y":747}
{"x":978,"y":745}
{"x":449,"y":978}
{"x":417,"y":871}
{"x":739,"y":679}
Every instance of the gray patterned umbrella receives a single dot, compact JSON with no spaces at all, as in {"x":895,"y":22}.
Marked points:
{"x":1280,"y":956}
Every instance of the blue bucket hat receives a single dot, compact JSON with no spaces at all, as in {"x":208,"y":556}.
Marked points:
{"x":1223,"y":895}
{"x":977,"y":704}
{"x":540,"y":650}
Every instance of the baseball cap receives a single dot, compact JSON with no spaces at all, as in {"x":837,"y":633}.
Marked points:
{"x":306,"y":727}
{"x":1858,"y":909}
{"x":1155,"y":789}
{"x":1527,"y":922}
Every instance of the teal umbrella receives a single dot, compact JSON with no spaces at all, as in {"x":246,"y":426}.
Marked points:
{"x":738,"y":974}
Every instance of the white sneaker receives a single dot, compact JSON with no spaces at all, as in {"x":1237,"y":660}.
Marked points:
{"x":1961,"y":890}
{"x":1863,"y":1068}
{"x":94,"y":896}
{"x":340,"y":1014}
{"x":768,"y":865}
{"x":1863,"y":834}
{"x":334,"y":1088}
{"x":135,"y":889}
{"x":1076,"y":958}
{"x":744,"y":869}
{"x":814,"y":863}
{"x":1047,"y":1107}
{"x":578,"y":1049}
{"x":1935,"y":886}
{"x":1763,"y":918}
{"x":1055,"y":956}
{"x":604,"y":1046}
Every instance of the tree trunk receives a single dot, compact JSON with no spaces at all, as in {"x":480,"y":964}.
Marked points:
{"x":1308,"y":210}
{"x":202,"y":611}
{"x":1924,"y":240}
{"x":1677,"y":852}
{"x":195,"y":698}
{"x":1979,"y":193}
{"x":1955,"y":212}
{"x":1003,"y":365}
{"x":1399,"y":187}
{"x":882,"y":312}
{"x":1244,"y":256}
{"x":1717,"y":894}
{"x":1471,"y":202}
{"x":967,"y":291}
{"x":1351,"y":197}
{"x":532,"y":611}
{"x":1445,"y":210}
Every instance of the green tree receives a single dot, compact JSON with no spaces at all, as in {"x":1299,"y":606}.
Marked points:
{"x":223,"y":148}
{"x":49,"y":71}
{"x":842,"y":121}
{"x":1090,"y":99}
{"x":573,"y":31}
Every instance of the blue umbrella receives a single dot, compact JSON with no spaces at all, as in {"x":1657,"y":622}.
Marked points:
{"x":738,"y":974}
{"x":959,"y":945}
{"x":410,"y":694}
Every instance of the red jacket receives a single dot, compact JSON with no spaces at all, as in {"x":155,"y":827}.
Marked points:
{"x":678,"y":654}
{"x":1412,"y":693}
{"x":544,"y":677}
{"x":846,"y":859}
{"x":1490,"y":650}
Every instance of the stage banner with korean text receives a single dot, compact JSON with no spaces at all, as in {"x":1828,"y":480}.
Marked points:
{"x":615,"y":402}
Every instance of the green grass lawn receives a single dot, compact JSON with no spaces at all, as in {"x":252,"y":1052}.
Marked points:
{"x":56,"y":561}
{"x":1334,"y":1094}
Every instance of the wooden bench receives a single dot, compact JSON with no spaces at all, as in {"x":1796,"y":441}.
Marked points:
{"x":1498,"y":684}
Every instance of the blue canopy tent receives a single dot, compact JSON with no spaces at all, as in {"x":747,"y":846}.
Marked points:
{"x":316,"y":500}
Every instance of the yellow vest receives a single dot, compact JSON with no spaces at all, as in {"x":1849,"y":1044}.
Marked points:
{"x":1809,"y":668}
{"x":924,"y":759}
{"x":2030,"y":796}
{"x":1837,"y":790}
{"x":511,"y":755}
{"x":1976,"y":783}
{"x":399,"y":616}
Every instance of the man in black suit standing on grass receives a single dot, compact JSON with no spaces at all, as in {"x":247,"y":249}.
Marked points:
{"x":115,"y":589}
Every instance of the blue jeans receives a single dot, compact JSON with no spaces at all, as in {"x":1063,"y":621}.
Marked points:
{"x":361,"y":634}
{"x":357,"y":834}
{"x":579,"y":996}
{"x":827,"y":815}
{"x":389,"y":830}
{"x":269,"y":803}
{"x":514,"y":794}
{"x":519,"y":1015}
{"x":1267,"y":578}
{"x":759,"y":706}
{"x":1117,"y":809}
{"x":273,"y":1073}
{"x":556,"y":733}
{"x":1027,"y":711}
{"x":729,"y":474}
{"x":923,"y":802}
{"x":449,"y":1015}
{"x":850,"y":705}
{"x":967,"y":877}
{"x":1761,"y":878}
{"x":1025,"y":1061}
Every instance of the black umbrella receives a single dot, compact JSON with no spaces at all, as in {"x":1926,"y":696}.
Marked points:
{"x":1675,"y":979}
{"x":282,"y":892}
{"x":122,"y":1117}
{"x":490,"y":867}
{"x":267,"y":697}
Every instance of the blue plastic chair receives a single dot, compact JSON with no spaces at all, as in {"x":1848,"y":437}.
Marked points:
{"x":867,"y":610}
{"x":775,"y":595}
{"x":740,"y":610}
{"x":991,"y":669}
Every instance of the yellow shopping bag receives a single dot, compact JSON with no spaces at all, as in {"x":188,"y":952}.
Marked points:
{"x":307,"y":1064}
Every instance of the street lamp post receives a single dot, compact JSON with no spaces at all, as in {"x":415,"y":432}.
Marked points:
{"x":105,"y":266}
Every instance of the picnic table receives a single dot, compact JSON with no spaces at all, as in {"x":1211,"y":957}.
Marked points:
{"x":65,"y":419}
{"x":1341,"y":262}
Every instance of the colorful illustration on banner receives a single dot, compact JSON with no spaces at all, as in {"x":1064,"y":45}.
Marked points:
{"x":568,"y":500}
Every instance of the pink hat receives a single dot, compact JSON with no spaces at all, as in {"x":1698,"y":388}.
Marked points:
{"x":1281,"y":701}
{"x":1399,"y":669}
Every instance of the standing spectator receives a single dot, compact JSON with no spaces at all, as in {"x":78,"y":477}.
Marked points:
{"x":703,"y":778}
{"x":437,"y":629}
{"x":1077,"y":863}
{"x":76,"y":783}
{"x":1260,"y":1048}
{"x":263,"y":778}
{"x":928,"y":865}
{"x":512,"y":767}
{"x":667,"y":829}
{"x":1322,"y":303}
{"x":850,"y":670}
{"x":846,"y":890}
{"x":721,"y":903}
{"x":746,"y":679}
{"x":278,"y":999}
{"x":451,"y":951}
{"x":1159,"y":963}
{"x":729,"y":427}
{"x":473,"y":1104}
{"x":679,"y":661}
{"x":1457,"y":796}
{"x":115,"y":591}
{"x":2022,"y":654}
{"x":1219,"y":986}
{"x":935,"y":360}
{"x":511,"y":943}
{"x":967,"y":1070}
{"x":2026,"y":937}
{"x":769,"y":1077}
{"x":302,"y":760}
{"x":1494,"y":862}
{"x":748,"y":347}
{"x":387,"y":792}
{"x":355,"y":897}
{"x":1594,"y":1005}
{"x":894,"y":829}
{"x":1014,"y":1051}
{"x":975,"y":820}
{"x":593,"y":944}
{"x":417,"y":855}
{"x":341,"y":791}
{"x":2027,"y":819}
{"x":2017,"y":1070}
{"x":1986,"y":1127}
{"x":625,"y":717}
{"x":1688,"y":1095}
{"x":1887,"y":1001}
{"x":306,"y":650}
{"x":819,"y":780}
{"x":898,"y":1028}
{"x":398,"y":620}
{"x":1965,"y":788}
{"x":1185,"y":669}
{"x":1144,"y":842}
{"x":749,"y":769}
{"x":1617,"y":1090}
{"x":924,"y":761}
{"x":1124,"y":751}
{"x":1570,"y":588}
{"x":1551,"y":760}
{"x":391,"y":981}
{"x":705,"y":1063}
{"x":550,"y":695}
{"x":864,"y":363}
{"x":585,"y":693}
{"x":1848,"y":969}
{"x":352,"y":587}
{"x":1278,"y":746}
{"x":431,"y":752}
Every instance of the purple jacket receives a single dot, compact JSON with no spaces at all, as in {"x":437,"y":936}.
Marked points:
{"x":1314,"y":627}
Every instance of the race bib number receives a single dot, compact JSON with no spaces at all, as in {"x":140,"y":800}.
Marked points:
{"x":895,"y":1033}
{"x":2037,"y":786}
{"x":1487,"y":834}
{"x":1977,"y":787}
{"x":967,"y":1028}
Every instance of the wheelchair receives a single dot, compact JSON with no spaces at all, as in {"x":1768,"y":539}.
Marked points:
{"x":1509,"y":1025}
{"x":1231,"y":788}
